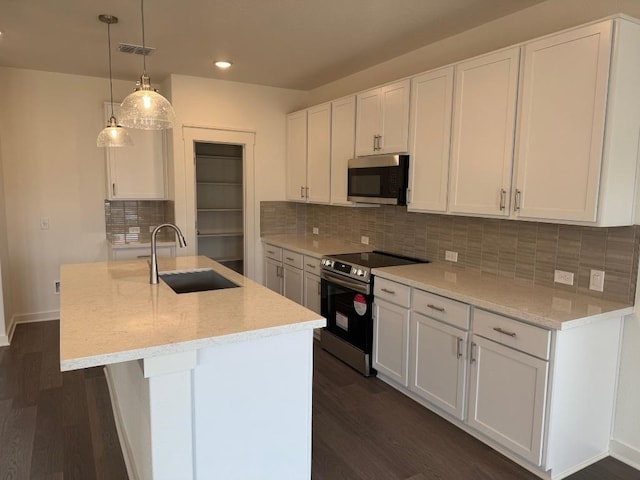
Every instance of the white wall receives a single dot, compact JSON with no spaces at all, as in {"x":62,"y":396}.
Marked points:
{"x":52,"y":169}
{"x":230,"y":105}
{"x":535,"y":21}
{"x":5,"y":292}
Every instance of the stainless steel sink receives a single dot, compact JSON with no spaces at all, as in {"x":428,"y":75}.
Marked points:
{"x":196,"y":281}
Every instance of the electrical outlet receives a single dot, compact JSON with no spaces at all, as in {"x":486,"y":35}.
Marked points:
{"x":364,"y":240}
{"x":450,"y":256}
{"x":560,"y":276}
{"x":316,"y":230}
{"x":596,"y":280}
{"x":56,"y":287}
{"x":44,"y":223}
{"x":134,"y":229}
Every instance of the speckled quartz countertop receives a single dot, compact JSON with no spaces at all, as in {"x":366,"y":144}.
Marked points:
{"x":542,"y":306}
{"x":109,"y":313}
{"x":314,"y":245}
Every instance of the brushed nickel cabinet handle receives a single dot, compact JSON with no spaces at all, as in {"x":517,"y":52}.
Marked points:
{"x":433,"y":307}
{"x":459,"y":347}
{"x":503,"y":199}
{"x":113,"y":189}
{"x":516,"y":207}
{"x":301,"y":191}
{"x":506,"y":332}
{"x":390,"y":292}
{"x":473,"y":353}
{"x":310,"y":265}
{"x":290,"y":259}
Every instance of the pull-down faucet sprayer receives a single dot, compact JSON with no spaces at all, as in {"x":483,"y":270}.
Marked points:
{"x":153,"y":264}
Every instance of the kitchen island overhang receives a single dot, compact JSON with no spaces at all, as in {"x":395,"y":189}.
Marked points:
{"x":211,"y":384}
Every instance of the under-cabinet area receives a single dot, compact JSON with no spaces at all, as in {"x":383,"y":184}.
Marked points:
{"x":219,"y":203}
{"x":529,"y":384}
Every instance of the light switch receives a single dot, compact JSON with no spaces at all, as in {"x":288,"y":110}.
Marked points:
{"x":44,"y":223}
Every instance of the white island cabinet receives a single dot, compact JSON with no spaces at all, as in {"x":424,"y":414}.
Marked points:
{"x":183,"y":369}
{"x":528,"y":370}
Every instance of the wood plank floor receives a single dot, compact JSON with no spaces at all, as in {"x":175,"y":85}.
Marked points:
{"x":59,"y":426}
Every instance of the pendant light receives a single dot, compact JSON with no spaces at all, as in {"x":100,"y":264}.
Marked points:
{"x":113,"y":135}
{"x":145,"y":108}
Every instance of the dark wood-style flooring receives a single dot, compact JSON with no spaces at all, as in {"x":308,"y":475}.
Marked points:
{"x":59,"y":426}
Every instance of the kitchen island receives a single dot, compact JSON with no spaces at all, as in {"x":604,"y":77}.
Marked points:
{"x":213,"y":384}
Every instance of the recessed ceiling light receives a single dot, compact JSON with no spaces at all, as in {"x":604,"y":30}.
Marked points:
{"x":223,"y":64}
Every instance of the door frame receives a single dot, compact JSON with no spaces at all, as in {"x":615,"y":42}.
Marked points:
{"x":192,"y":134}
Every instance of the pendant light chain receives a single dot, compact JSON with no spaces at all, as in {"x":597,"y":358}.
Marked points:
{"x":144,"y":51}
{"x":110,"y":76}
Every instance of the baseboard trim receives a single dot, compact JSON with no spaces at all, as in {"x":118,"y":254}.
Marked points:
{"x":122,"y":433}
{"x":36,"y":317}
{"x":625,"y":453}
{"x":4,"y":340}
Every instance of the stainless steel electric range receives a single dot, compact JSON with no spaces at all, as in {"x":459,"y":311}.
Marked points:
{"x":347,"y":304}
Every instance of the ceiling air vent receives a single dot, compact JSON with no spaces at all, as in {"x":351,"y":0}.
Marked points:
{"x":136,"y":49}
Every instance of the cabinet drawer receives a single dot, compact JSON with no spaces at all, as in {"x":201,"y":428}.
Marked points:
{"x":441,"y":308}
{"x":521,"y":336}
{"x":273,"y":252}
{"x":292,"y":258}
{"x":312,"y":264}
{"x":392,"y":292}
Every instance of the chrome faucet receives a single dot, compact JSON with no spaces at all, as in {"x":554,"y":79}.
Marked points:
{"x":153,"y":264}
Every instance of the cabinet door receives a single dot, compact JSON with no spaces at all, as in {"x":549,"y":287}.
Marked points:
{"x":272,"y":275}
{"x":431,"y":107}
{"x":395,"y":117}
{"x":296,"y":155}
{"x":391,"y":341}
{"x":312,"y":292}
{"x":561,"y":124}
{"x":293,"y":284}
{"x":319,"y":154}
{"x":507,"y":397}
{"x":368,"y":122}
{"x":438,"y":363}
{"x":136,"y":172}
{"x":483,"y":131}
{"x":343,"y":131}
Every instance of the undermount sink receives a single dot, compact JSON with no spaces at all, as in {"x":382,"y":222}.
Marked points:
{"x":196,"y":281}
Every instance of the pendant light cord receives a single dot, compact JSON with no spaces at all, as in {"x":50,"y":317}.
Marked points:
{"x":144,"y":49}
{"x":110,"y":76}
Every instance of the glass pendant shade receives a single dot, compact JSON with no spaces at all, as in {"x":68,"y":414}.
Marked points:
{"x":146,"y":109}
{"x":114,"y":136}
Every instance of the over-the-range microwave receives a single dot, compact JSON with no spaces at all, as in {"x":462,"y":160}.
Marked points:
{"x":381,"y":179}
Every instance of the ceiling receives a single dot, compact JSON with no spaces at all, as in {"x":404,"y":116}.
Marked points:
{"x":299,"y":44}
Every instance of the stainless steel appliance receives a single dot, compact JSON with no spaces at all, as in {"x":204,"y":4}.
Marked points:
{"x":347,"y":304}
{"x":379,"y":179}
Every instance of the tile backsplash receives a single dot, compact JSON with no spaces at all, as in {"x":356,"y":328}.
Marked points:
{"x":527,"y":251}
{"x":121,"y":216}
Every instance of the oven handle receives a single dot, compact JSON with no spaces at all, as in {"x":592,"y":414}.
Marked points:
{"x":338,"y":280}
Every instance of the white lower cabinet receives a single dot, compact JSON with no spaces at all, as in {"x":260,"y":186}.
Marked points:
{"x":293,"y":278}
{"x":507,"y":394}
{"x":544,"y":398}
{"x":273,"y":273}
{"x":438,"y":363}
{"x":391,"y":340}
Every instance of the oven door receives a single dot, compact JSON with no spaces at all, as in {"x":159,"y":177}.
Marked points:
{"x":347,"y":306}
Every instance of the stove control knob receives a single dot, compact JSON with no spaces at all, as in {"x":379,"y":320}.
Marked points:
{"x":360,"y":272}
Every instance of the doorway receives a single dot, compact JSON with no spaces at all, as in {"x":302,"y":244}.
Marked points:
{"x":220,"y":203}
{"x":220,"y":197}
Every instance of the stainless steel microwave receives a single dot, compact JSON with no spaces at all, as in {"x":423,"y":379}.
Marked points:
{"x":379,"y":179}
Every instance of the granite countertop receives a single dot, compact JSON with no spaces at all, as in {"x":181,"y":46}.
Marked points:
{"x":315,"y":245}
{"x":110,"y":313}
{"x":542,"y":306}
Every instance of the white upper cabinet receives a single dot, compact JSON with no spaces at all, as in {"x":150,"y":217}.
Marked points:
{"x":319,"y":154}
{"x":483,"y":131}
{"x":578,"y":125}
{"x":297,"y":155}
{"x":382,"y":123}
{"x":430,"y":137}
{"x":137,"y":172}
{"x":343,"y":129}
{"x":309,"y":155}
